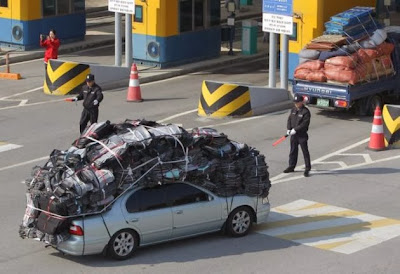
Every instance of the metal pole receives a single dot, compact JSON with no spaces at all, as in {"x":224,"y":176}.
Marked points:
{"x":128,"y":40}
{"x":284,"y":61}
{"x":272,"y":59}
{"x":118,"y":39}
{"x":7,"y":63}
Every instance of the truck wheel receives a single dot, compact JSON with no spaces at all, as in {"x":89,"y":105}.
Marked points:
{"x":375,"y":101}
{"x":361,"y":107}
{"x":123,"y":244}
{"x":239,"y":222}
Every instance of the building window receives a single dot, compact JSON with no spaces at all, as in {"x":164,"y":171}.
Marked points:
{"x":49,"y":8}
{"x":63,"y":6}
{"x":293,"y":37}
{"x":192,"y":14}
{"x":4,"y":3}
{"x":59,"y":7}
{"x":138,"y":17}
{"x":79,"y":5}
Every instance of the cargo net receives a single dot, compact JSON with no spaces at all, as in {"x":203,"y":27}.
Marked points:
{"x":110,"y":159}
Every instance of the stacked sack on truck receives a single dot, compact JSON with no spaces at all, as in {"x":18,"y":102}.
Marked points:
{"x":337,"y":56}
{"x":108,"y":159}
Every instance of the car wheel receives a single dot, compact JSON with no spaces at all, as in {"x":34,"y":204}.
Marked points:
{"x":123,"y":244}
{"x":239,"y":222}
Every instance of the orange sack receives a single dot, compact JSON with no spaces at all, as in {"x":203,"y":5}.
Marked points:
{"x":385,"y":48}
{"x":301,"y":73}
{"x":329,"y":66}
{"x":347,"y":76}
{"x":311,"y":65}
{"x":345,"y":61}
{"x":316,"y":76}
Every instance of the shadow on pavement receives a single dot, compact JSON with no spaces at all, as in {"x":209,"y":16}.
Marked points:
{"x":189,"y":250}
{"x":343,"y":115}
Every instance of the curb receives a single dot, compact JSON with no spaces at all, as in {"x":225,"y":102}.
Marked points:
{"x":171,"y":74}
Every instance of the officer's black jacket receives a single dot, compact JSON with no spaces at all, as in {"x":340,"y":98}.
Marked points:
{"x":89,"y":94}
{"x":299,"y":119}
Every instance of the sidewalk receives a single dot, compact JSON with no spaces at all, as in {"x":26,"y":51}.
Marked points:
{"x":104,"y":35}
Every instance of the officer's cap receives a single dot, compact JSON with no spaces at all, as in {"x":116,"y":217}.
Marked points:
{"x":297,"y":98}
{"x":89,"y":77}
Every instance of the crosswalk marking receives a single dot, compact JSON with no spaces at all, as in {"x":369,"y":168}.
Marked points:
{"x":6,"y":146}
{"x":328,"y":227}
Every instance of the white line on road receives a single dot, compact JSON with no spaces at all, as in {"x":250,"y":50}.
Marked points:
{"x":24,"y":163}
{"x":319,"y":160}
{"x":277,"y":181}
{"x":21,"y":93}
{"x":366,"y":156}
{"x":177,"y":115}
{"x":7,"y":147}
{"x":32,"y":104}
{"x":23,"y":103}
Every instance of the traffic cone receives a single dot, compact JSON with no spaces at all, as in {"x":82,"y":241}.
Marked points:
{"x":377,"y":139}
{"x":134,"y":94}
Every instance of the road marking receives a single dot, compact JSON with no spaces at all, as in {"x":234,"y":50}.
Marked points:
{"x":340,"y":163}
{"x":22,"y":93}
{"x":333,"y":171}
{"x":177,"y":115}
{"x":328,"y":227}
{"x":23,"y":102}
{"x":280,"y":177}
{"x":32,"y":104}
{"x":367,"y":157}
{"x":5,"y":146}
{"x":24,"y":163}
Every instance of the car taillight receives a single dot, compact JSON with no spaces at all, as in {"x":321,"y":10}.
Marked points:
{"x":340,"y":103}
{"x":76,"y":230}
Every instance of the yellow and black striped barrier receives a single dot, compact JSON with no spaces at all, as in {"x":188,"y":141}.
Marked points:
{"x":223,"y":99}
{"x":64,"y":77}
{"x":391,"y":127}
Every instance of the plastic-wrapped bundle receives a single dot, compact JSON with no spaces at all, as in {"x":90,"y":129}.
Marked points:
{"x":97,"y":131}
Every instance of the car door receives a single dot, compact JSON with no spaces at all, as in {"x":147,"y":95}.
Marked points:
{"x":194,"y":211}
{"x":147,"y":212}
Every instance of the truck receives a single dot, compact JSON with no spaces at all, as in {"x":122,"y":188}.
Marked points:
{"x":362,"y":97}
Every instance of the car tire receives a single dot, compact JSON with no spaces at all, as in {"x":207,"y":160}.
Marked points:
{"x":123,"y":244}
{"x":239,"y":222}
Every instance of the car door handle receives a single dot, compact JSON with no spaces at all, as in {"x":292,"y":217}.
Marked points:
{"x":134,"y":220}
{"x":179,"y":212}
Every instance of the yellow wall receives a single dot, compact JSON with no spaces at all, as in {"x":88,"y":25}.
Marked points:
{"x":22,"y":10}
{"x":160,"y":18}
{"x":314,"y":13}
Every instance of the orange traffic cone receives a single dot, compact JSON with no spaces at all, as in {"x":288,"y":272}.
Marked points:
{"x":376,"y":141}
{"x":134,"y":94}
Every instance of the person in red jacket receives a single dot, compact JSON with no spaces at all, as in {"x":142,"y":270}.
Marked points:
{"x":51,"y":43}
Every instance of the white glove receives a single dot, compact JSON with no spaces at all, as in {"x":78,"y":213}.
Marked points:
{"x":288,"y":132}
{"x":292,"y":132}
{"x":75,"y":99}
{"x":95,"y":102}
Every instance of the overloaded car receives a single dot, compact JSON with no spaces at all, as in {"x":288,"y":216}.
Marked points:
{"x":136,"y":183}
{"x":148,"y":216}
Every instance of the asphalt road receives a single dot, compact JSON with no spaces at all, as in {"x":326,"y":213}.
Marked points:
{"x":343,"y":219}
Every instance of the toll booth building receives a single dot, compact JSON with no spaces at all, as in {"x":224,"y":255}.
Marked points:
{"x":22,"y":21}
{"x":173,"y":32}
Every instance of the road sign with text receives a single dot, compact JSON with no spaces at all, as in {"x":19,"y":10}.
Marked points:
{"x":278,"y":16}
{"x":122,"y":6}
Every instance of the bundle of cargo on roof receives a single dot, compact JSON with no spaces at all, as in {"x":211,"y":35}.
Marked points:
{"x":109,"y":159}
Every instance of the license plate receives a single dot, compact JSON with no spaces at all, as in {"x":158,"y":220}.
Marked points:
{"x":322,"y":102}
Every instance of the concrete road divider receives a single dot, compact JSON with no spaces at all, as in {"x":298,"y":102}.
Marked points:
{"x":218,"y":100}
{"x":391,"y":125}
{"x":64,"y":77}
{"x":223,"y":99}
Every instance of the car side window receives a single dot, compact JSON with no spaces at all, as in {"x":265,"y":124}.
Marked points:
{"x":147,"y":199}
{"x":181,"y":194}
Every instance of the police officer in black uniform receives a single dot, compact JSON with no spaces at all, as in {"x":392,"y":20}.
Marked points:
{"x":92,"y":95}
{"x":297,"y":127}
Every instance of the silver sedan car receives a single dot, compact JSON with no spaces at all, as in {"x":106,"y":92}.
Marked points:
{"x":147,"y":216}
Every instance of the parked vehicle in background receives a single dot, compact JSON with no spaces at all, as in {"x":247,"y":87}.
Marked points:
{"x":147,"y":216}
{"x":362,"y":97}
